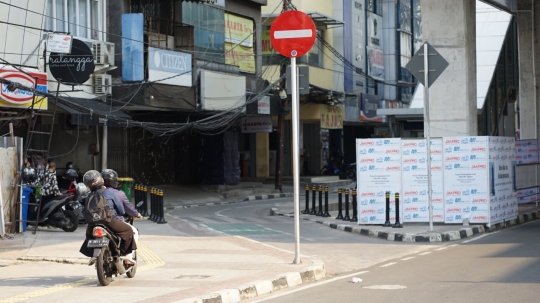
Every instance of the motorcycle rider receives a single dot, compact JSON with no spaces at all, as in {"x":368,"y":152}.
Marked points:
{"x":110,"y":177}
{"x":94,"y":181}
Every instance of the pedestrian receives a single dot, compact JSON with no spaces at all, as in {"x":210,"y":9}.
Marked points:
{"x":49,"y":188}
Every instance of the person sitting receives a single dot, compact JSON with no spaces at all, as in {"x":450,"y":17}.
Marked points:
{"x":93,"y":180}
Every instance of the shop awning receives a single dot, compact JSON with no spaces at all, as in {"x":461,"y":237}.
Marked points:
{"x":91,"y":112}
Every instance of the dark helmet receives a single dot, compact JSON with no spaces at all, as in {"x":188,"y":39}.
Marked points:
{"x":110,"y":177}
{"x":29,"y":174}
{"x":71,"y":174}
{"x":93,"y":180}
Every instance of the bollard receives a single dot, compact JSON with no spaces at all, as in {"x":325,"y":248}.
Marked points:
{"x":326,"y":213}
{"x":320,"y":213}
{"x":397,"y":224}
{"x":136,"y":195}
{"x":152,"y":214}
{"x":354,"y":206}
{"x":347,"y":218}
{"x":161,"y":219}
{"x":340,"y":204}
{"x":387,"y":222}
{"x":144,"y":206}
{"x":153,"y":204}
{"x":306,"y":211}
{"x":313,"y":207}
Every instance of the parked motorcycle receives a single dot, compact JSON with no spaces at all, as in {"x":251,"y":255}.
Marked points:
{"x":336,"y":168}
{"x":75,"y":204}
{"x":54,"y":212}
{"x":350,"y":172}
{"x":106,"y":246}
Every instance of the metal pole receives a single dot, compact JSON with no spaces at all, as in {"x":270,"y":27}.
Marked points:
{"x":426,"y":129}
{"x":104,"y":148}
{"x":296,"y":159}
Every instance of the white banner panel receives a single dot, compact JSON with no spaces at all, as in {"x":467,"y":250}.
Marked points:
{"x":466,"y":179}
{"x":503,"y":197}
{"x":526,"y":151}
{"x":378,"y":164}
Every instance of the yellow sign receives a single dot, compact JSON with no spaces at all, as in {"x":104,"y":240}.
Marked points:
{"x":332,"y":117}
{"x":241,"y":56}
{"x":238,"y":30}
{"x":267,"y":48}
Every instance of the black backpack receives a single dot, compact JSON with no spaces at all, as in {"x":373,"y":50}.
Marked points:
{"x":97,"y":210}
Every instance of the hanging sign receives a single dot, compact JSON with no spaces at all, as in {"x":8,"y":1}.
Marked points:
{"x":58,"y":43}
{"x":74,"y":68}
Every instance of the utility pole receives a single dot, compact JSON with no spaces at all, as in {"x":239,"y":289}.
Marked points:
{"x":281,"y":120}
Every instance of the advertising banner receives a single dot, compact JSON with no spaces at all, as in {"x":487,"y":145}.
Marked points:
{"x":169,"y":67}
{"x":379,"y":171}
{"x":238,"y":30}
{"x":241,"y":56}
{"x":526,"y":151}
{"x":267,"y":48}
{"x":332,"y":116}
{"x":18,"y":98}
{"x":503,"y":197}
{"x":375,"y":60}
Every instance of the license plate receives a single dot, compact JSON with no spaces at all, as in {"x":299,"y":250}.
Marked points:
{"x":98,"y":243}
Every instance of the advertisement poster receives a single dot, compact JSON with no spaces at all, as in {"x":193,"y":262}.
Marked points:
{"x":18,"y":98}
{"x":466,"y":173}
{"x":379,"y":171}
{"x":526,"y":151}
{"x":239,"y":43}
{"x":503,"y":197}
{"x":415,"y":182}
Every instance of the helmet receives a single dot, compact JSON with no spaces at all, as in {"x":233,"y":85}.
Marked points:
{"x":29,"y":174}
{"x":82,"y":191}
{"x":71,"y":174}
{"x":93,"y":180}
{"x":110,"y":177}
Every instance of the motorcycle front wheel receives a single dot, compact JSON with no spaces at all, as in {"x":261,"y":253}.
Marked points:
{"x":104,"y":266}
{"x":133,"y":270}
{"x":71,"y":220}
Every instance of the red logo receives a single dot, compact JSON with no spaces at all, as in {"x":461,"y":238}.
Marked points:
{"x":436,"y":152}
{"x":438,"y":200}
{"x":479,"y":166}
{"x":411,"y":209}
{"x":438,"y":168}
{"x":453,"y":193}
{"x":392,"y":151}
{"x":452,"y":141}
{"x":368,"y":211}
{"x":410,"y":144}
{"x":479,"y":218}
{"x":411,"y":193}
{"x":478,"y":149}
{"x":16,"y":96}
{"x":370,"y":143}
{"x":437,"y":217}
{"x":410,"y":161}
{"x":453,"y":158}
{"x":454,"y":210}
{"x":479,"y":201}
{"x":368,"y":194}
{"x":367,"y":160}
{"x":393,"y":168}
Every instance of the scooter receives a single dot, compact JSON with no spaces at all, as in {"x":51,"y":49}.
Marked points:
{"x":54,"y":212}
{"x":109,"y":262}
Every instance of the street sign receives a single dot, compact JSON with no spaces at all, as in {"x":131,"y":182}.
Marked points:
{"x":293,"y":34}
{"x":437,"y":64}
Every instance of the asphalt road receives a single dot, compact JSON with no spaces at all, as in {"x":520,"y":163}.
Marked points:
{"x":498,"y":267}
{"x":342,"y":252}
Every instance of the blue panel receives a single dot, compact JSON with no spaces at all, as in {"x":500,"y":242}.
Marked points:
{"x":132,"y":47}
{"x":348,"y":45}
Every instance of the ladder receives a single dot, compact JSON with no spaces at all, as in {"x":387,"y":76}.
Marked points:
{"x":44,"y":153}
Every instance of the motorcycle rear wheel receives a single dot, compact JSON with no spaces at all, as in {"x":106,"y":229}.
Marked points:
{"x":72,"y":220}
{"x":133,"y":271}
{"x":104,"y":266}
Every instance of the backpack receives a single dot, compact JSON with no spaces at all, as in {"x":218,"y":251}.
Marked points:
{"x":97,"y":210}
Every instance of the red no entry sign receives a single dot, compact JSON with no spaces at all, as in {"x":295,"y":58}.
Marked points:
{"x":293,"y":34}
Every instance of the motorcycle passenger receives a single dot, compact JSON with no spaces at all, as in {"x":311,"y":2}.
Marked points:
{"x":110,"y":177}
{"x":94,"y":181}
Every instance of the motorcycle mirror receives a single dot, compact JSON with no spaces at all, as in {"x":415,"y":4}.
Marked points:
{"x":140,"y":203}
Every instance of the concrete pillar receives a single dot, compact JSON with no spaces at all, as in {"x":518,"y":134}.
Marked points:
{"x":262,"y":155}
{"x":450,"y":27}
{"x":528,"y":109}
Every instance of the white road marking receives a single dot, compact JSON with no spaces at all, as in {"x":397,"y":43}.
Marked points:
{"x":218,"y":213}
{"x":405,"y":259}
{"x":298,"y":33}
{"x":281,"y":294}
{"x":479,"y":237}
{"x":453,"y":245}
{"x":441,"y":248}
{"x":389,"y":264}
{"x":386,"y":287}
{"x":425,"y":253}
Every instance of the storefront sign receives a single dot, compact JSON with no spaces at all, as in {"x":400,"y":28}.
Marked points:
{"x":267,"y":48}
{"x":58,"y":43}
{"x":18,"y":98}
{"x":241,"y":56}
{"x":238,"y":30}
{"x":369,"y":105}
{"x":169,"y":67}
{"x":264,"y":105}
{"x":375,"y":62}
{"x":332,"y":117}
{"x":75,"y":67}
{"x":257,"y":125}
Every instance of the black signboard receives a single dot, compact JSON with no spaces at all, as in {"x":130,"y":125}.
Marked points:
{"x":370,"y":104}
{"x":74,"y":68}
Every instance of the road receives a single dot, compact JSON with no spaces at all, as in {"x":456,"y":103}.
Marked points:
{"x":342,"y":252}
{"x":497,"y":267}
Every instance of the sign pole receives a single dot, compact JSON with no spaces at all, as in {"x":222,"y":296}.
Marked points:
{"x":427,"y":135}
{"x":296,"y":159}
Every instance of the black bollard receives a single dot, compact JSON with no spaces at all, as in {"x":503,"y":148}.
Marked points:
{"x":144,"y":196}
{"x":387,"y":222}
{"x":136,"y":195}
{"x":306,"y":211}
{"x":354,"y":206}
{"x":320,"y":213}
{"x":161,"y":219}
{"x":347,"y":218}
{"x":153,"y":204}
{"x":313,"y":206}
{"x":326,"y":213}
{"x":397,"y":224}
{"x":340,"y":204}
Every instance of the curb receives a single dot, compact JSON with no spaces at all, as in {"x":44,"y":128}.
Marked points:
{"x":263,"y":287}
{"x":265,"y":197}
{"x":248,"y":198}
{"x":462,"y":233}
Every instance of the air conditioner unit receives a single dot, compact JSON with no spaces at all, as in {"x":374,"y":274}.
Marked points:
{"x":102,"y":84}
{"x":103,"y":52}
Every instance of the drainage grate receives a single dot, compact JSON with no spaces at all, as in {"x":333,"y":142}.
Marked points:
{"x":192,"y":277}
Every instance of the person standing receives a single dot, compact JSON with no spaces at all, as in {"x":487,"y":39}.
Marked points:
{"x":49,"y":188}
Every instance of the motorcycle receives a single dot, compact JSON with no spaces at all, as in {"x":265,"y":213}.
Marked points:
{"x":75,"y":204}
{"x":54,"y":212}
{"x":109,"y":262}
{"x":350,"y":172}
